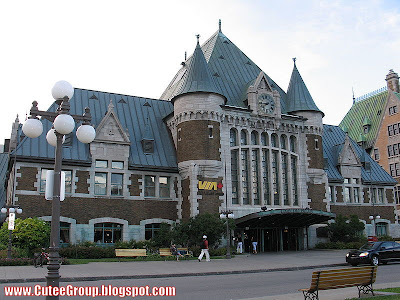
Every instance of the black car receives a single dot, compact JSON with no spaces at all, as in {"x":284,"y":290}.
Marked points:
{"x":374,"y":253}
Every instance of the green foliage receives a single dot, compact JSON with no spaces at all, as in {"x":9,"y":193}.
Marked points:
{"x":340,"y":245}
{"x":163,"y":237}
{"x":80,"y":251}
{"x":346,"y":229}
{"x":15,"y":253}
{"x":28,"y":234}
{"x":386,"y":238}
{"x":16,"y":262}
{"x":191,"y":232}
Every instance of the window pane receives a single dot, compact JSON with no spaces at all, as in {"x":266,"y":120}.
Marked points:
{"x":68,"y":182}
{"x":254,"y":138}
{"x":264,"y":139}
{"x":235,"y":176}
{"x":101,"y":164}
{"x":233,"y":138}
{"x":43,"y":180}
{"x":150,"y":186}
{"x":100,"y":183}
{"x":243,"y":137}
{"x":117,"y":165}
{"x":164,"y":187}
{"x":116,"y":184}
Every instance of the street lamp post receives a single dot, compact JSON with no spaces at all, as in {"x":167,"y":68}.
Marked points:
{"x":11,"y":209}
{"x":227,"y":215}
{"x":63,"y":123}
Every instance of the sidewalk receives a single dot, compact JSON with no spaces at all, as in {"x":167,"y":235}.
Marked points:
{"x":269,"y":262}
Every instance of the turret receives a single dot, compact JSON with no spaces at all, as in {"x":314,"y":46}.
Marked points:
{"x":197,"y":108}
{"x":392,"y":80}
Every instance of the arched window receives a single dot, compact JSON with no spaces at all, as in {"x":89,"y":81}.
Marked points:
{"x":233,"y":137}
{"x":283,"y":142}
{"x":274,"y":140}
{"x":264,"y":139}
{"x":243,"y":137}
{"x":381,"y":229}
{"x":254,"y":138}
{"x":293,"y":144}
{"x":107,"y":233}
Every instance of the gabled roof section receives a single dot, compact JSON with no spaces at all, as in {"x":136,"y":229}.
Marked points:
{"x":198,"y":77}
{"x":298,"y":97}
{"x":347,"y":155}
{"x":371,"y":107}
{"x":131,"y":116}
{"x":232,"y":74}
{"x":334,"y":141}
{"x":110,"y":129}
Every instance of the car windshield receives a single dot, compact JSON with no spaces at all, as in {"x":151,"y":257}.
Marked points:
{"x":369,"y":246}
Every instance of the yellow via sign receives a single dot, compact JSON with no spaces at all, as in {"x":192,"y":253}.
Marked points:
{"x":209,"y":185}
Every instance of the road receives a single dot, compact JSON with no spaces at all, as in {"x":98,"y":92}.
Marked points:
{"x":221,"y":287}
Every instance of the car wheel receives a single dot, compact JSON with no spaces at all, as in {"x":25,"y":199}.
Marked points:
{"x":375,"y":260}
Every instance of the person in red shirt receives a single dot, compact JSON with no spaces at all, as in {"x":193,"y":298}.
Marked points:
{"x":204,"y":249}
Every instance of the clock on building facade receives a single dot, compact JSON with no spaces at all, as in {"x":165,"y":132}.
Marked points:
{"x":266,"y":103}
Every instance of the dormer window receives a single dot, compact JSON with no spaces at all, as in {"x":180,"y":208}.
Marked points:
{"x":148,"y":146}
{"x":366,"y":128}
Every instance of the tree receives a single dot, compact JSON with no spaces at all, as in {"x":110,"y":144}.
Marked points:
{"x":163,"y":237}
{"x":30,"y":233}
{"x":191,"y":232}
{"x":345,"y":229}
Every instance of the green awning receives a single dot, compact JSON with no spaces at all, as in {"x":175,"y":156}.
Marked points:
{"x":284,"y":217}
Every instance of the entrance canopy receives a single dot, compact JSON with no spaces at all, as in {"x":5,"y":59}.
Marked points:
{"x":284,"y":217}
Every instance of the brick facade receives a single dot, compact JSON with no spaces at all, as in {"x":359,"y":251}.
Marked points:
{"x":135,"y":186}
{"x":185,"y":199}
{"x":82,"y":185}
{"x":85,"y":209}
{"x":316,"y":192}
{"x":210,"y":199}
{"x":315,"y":153}
{"x":27,"y":179}
{"x":386,"y":212}
{"x":194,"y":142}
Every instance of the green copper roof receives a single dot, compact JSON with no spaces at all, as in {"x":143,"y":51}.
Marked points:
{"x":231,"y":70}
{"x":198,"y":77}
{"x":298,"y":96}
{"x":366,"y":109}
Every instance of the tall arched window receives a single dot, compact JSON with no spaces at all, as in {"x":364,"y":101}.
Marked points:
{"x":243,"y":137}
{"x":274,"y":140}
{"x":293,"y":144}
{"x":264,"y":139}
{"x":283,"y":142}
{"x":254,"y":138}
{"x":233,"y":137}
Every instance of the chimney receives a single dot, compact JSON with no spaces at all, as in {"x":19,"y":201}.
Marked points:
{"x":393,"y":81}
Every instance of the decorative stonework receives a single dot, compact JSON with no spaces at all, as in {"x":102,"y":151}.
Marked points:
{"x":27,"y":179}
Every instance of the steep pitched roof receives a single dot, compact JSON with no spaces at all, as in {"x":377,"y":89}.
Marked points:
{"x":198,"y":77}
{"x":366,"y":109}
{"x":298,"y":97}
{"x":232,"y":71}
{"x":333,"y":141}
{"x":131,"y":114}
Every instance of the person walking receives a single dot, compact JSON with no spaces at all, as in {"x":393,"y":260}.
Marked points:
{"x":239,"y":248}
{"x":204,"y":249}
{"x":254,"y":243}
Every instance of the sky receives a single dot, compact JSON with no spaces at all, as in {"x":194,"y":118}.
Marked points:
{"x":136,"y":47}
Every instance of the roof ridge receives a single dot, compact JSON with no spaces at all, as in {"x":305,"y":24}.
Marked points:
{"x":370,"y":94}
{"x":126,"y":95}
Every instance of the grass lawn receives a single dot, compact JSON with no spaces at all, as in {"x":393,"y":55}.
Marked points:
{"x":392,"y":297}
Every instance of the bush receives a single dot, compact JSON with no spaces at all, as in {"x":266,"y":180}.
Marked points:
{"x":218,"y":252}
{"x":79,"y":251}
{"x":16,"y":262}
{"x":28,"y":234}
{"x":346,"y":229}
{"x":340,"y":245}
{"x":15,"y":253}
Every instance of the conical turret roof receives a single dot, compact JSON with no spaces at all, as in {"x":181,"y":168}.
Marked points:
{"x":298,"y":98}
{"x":198,"y":77}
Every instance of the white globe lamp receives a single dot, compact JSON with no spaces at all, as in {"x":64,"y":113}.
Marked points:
{"x":12,"y":210}
{"x":62,"y":89}
{"x":64,"y":124}
{"x":32,"y":128}
{"x":4,"y":210}
{"x":85,"y":134}
{"x":19,"y":210}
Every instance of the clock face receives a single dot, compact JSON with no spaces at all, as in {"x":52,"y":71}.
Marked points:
{"x":266,"y":103}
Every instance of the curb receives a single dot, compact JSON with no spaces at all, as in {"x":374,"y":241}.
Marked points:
{"x":119,"y":277}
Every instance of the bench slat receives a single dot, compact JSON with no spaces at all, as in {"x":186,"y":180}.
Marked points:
{"x":130,"y":252}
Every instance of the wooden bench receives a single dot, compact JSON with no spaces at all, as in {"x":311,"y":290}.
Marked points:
{"x":129,"y":253}
{"x":362,"y":277}
{"x":185,"y":252}
{"x":165,"y":252}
